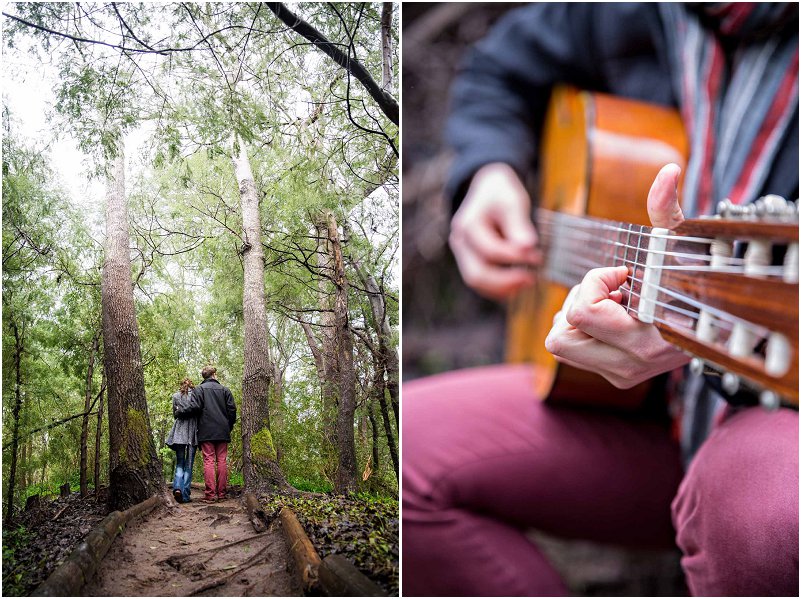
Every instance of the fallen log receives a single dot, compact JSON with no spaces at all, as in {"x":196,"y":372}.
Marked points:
{"x":68,"y":579}
{"x":336,"y":576}
{"x":303,"y":553}
{"x":255,"y":513}
{"x":340,"y":578}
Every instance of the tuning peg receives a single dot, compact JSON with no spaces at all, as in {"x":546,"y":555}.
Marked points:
{"x":697,"y":366}
{"x":769,"y":400}
{"x":730,"y":383}
{"x":723,"y":207}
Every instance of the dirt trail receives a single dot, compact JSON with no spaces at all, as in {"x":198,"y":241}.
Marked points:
{"x":196,"y":549}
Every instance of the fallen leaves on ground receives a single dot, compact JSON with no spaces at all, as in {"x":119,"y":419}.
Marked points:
{"x":40,"y":539}
{"x":363,"y":529}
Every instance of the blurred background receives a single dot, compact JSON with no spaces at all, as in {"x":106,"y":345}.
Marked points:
{"x":445,"y":325}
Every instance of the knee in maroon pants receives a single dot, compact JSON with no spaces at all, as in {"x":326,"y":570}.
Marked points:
{"x":736,"y":513}
{"x":484,"y":460}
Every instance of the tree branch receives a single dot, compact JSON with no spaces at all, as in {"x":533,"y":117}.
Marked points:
{"x":388,"y":104}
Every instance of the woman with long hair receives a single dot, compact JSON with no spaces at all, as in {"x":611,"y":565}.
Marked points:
{"x":183,"y":440}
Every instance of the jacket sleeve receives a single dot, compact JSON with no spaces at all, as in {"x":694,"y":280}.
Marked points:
{"x":178,"y":405}
{"x":230,"y":408}
{"x":501,"y":93}
{"x":185,"y":406}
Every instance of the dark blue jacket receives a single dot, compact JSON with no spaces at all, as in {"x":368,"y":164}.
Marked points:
{"x":499,"y":99}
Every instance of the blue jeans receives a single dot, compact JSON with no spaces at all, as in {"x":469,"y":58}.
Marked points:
{"x":185,"y":459}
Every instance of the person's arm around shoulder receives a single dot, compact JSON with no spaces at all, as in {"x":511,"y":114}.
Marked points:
{"x":230,"y":408}
{"x":196,"y":400}
{"x":182,"y":405}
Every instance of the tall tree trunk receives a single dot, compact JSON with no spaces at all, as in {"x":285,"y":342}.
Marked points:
{"x":87,"y":407}
{"x":259,"y":463}
{"x":12,"y":473}
{"x":134,"y":471}
{"x":329,"y":381}
{"x":379,"y":388}
{"x":346,"y":407}
{"x":375,"y":434}
{"x":378,"y":307}
{"x":99,"y":432}
{"x":386,"y":47}
{"x":25,"y":449}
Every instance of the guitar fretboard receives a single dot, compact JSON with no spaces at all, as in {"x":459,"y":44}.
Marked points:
{"x":574,"y":245}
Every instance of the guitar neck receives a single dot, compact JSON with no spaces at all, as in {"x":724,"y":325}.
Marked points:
{"x":574,"y":245}
{"x":721,"y":307}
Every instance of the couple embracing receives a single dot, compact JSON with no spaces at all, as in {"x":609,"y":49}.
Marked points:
{"x":204,"y":415}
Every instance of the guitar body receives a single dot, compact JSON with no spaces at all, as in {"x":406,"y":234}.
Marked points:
{"x":600,"y":155}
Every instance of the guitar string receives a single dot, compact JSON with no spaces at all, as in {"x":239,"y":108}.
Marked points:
{"x":722,"y":320}
{"x":586,"y":222}
{"x":577,"y":236}
{"x":775,"y":271}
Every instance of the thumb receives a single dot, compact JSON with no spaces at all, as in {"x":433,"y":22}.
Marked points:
{"x":514,"y":222}
{"x":663,"y":198}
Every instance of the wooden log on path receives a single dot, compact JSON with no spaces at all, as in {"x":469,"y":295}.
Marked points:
{"x":255,"y":513}
{"x":64,"y":490}
{"x":336,"y":576}
{"x":69,"y":578}
{"x":303,"y":553}
{"x":340,"y":578}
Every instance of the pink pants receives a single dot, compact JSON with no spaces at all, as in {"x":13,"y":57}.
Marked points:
{"x":215,"y":453}
{"x":484,"y":460}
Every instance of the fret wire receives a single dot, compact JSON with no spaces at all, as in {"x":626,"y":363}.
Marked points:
{"x":617,"y":241}
{"x":634,"y":271}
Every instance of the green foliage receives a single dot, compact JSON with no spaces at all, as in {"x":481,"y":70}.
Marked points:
{"x":301,"y":121}
{"x":13,"y":540}
{"x":310,"y":485}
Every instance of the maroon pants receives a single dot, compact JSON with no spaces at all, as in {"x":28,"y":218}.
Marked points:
{"x":484,"y":460}
{"x":215,"y":453}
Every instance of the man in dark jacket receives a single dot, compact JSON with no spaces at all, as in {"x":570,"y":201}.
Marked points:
{"x":217,"y":418}
{"x":483,"y":459}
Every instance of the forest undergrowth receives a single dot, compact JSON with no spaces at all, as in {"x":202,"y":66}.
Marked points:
{"x":362,"y":527}
{"x":42,"y":537}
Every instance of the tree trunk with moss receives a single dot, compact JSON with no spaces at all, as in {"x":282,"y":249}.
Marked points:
{"x":259,"y":460}
{"x":134,"y":470}
{"x":343,"y":350}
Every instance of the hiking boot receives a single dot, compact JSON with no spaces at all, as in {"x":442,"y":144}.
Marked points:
{"x":178,"y":496}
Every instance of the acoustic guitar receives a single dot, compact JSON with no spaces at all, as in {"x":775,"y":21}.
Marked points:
{"x":736,"y":314}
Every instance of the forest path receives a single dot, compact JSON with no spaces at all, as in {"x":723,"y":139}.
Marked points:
{"x":196,"y":549}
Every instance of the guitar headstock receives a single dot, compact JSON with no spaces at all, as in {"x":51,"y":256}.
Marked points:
{"x":726,"y":291}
